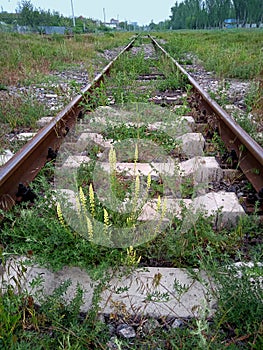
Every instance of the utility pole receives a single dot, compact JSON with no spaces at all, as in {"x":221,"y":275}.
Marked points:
{"x":73,"y":16}
{"x":104,"y":15}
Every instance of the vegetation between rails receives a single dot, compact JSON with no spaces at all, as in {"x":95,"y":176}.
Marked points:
{"x":37,"y":234}
{"x":43,"y":235}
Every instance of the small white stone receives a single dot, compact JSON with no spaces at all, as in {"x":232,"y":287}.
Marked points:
{"x":126,"y":331}
{"x":25,"y":136}
{"x":192,"y":144}
{"x":75,"y":161}
{"x":177,"y":323}
{"x":95,"y":138}
{"x":44,"y":121}
{"x":4,"y":158}
{"x":51,"y":95}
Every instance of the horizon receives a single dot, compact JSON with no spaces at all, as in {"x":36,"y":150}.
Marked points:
{"x":102,"y":9}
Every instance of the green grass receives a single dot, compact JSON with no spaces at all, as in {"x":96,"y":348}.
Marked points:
{"x":24,"y":57}
{"x":234,"y":54}
{"x":21,"y":111}
{"x":29,"y":59}
{"x":228,"y":53}
{"x":159,"y":137}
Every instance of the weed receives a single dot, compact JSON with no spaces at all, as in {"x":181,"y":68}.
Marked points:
{"x":96,"y":98}
{"x":58,"y":323}
{"x":218,"y":144}
{"x":173,"y":81}
{"x":54,"y":322}
{"x":159,"y":137}
{"x":239,"y":300}
{"x":244,"y":120}
{"x":220,"y":95}
{"x":124,"y":74}
{"x":21,"y":111}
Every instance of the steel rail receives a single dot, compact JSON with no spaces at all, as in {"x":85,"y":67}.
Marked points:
{"x":27,"y":163}
{"x":30,"y":159}
{"x":250,"y":153}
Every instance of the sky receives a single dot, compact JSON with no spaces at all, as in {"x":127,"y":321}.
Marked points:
{"x":140,"y":11}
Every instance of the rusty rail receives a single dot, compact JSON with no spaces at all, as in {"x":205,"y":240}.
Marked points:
{"x":250,"y":153}
{"x":26,"y":163}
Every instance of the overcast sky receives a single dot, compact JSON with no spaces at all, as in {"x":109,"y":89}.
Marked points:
{"x":141,"y":11}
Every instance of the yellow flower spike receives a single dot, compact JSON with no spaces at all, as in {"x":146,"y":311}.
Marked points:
{"x":106,"y":221}
{"x":136,"y":154}
{"x":159,"y":203}
{"x":112,"y":160}
{"x":60,"y":215}
{"x":78,"y":206}
{"x":164,"y":208}
{"x":91,"y":200}
{"x":131,"y":257}
{"x":137,"y":186}
{"x":130,"y":220}
{"x":90,"y":228}
{"x":106,"y":218}
{"x":149,"y":180}
{"x":82,"y":201}
{"x":136,"y":157}
{"x":135,"y":199}
{"x":82,"y":197}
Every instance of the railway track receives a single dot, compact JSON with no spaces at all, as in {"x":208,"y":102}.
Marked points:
{"x":26,"y":164}
{"x":148,"y":144}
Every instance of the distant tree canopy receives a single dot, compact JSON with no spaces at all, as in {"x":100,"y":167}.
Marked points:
{"x":27,"y":15}
{"x":194,"y":14}
{"x":30,"y":16}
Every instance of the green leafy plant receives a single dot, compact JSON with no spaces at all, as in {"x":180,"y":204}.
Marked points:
{"x":96,"y":98}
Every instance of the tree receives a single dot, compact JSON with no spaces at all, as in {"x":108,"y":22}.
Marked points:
{"x":212,"y":13}
{"x":255,"y":11}
{"x":26,"y":13}
{"x":241,"y":8}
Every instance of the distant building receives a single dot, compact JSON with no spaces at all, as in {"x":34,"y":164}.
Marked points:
{"x":230,"y":23}
{"x":113,"y":24}
{"x":134,"y":24}
{"x":41,"y":29}
{"x":52,"y":30}
{"x":4,"y":27}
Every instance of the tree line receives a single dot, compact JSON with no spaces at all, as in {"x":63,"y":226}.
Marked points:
{"x":191,"y":14}
{"x":199,"y":14}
